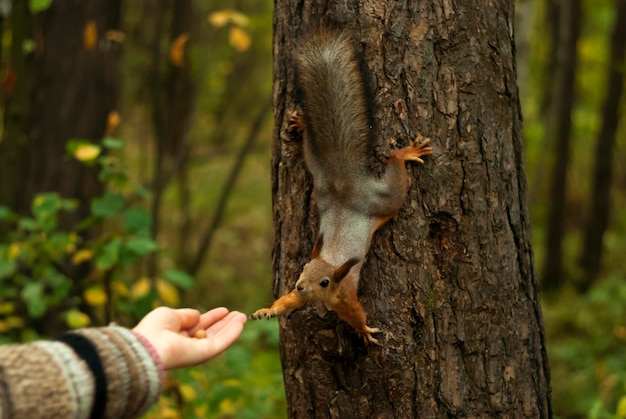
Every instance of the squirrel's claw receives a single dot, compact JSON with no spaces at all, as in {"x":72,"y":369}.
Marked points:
{"x":367,"y":337}
{"x":296,"y":122}
{"x":264,"y":312}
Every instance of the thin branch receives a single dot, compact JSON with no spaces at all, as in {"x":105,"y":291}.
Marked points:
{"x":207,"y":236}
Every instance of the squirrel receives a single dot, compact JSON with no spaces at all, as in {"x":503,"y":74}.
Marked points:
{"x":352,"y":201}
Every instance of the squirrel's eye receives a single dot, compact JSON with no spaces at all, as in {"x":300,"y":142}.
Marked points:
{"x":324,"y":283}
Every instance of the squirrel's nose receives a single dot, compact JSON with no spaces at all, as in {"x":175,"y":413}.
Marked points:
{"x":299,"y":287}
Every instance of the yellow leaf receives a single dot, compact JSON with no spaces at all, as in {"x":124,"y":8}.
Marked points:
{"x":223,"y":17}
{"x":188,"y":393}
{"x":90,"y":35}
{"x":239,"y":39}
{"x":119,"y":288}
{"x":201,"y":411}
{"x":15,"y":322}
{"x":14,"y":251}
{"x":7,"y":307}
{"x":95,"y":296}
{"x":167,"y":292}
{"x":75,"y":319}
{"x":113,"y":121}
{"x":81,"y":256}
{"x":177,"y":52}
{"x":86,"y":152}
{"x":621,"y":408}
{"x":141,"y":288}
{"x":227,"y":406}
{"x":232,"y":383}
{"x":166,"y":412}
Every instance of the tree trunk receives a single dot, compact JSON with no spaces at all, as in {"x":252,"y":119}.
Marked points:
{"x":598,"y":219}
{"x":559,"y":128}
{"x":450,"y":281}
{"x":173,"y":101}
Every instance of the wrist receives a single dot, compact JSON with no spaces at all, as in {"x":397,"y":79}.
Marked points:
{"x":158,"y":361}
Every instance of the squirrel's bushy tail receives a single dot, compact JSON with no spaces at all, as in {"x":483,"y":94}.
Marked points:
{"x":334,"y":97}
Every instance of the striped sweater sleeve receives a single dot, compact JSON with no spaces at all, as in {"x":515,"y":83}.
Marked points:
{"x":108,"y":372}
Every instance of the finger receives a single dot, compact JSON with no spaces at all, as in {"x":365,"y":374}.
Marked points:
{"x":188,"y":317}
{"x":196,"y":351}
{"x":217,"y":342}
{"x":212,"y":316}
{"x":233,"y":317}
{"x":208,"y":318}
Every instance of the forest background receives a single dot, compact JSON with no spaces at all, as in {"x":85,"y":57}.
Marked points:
{"x":156,"y":189}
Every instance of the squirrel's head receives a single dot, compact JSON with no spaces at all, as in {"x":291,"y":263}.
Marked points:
{"x":319,"y":278}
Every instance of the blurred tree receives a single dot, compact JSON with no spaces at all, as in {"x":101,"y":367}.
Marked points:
{"x":598,"y":219}
{"x":549,"y":35}
{"x":559,"y":127}
{"x":62,"y":84}
{"x":450,"y":281}
{"x":172,"y":91}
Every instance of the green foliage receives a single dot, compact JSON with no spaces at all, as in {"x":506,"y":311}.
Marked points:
{"x":37,"y":6}
{"x":41,"y":264}
{"x":585,"y":333}
{"x":587,"y":350}
{"x":244,"y":382}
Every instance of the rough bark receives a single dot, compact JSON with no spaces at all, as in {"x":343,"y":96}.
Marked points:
{"x":450,"y":281}
{"x":598,"y":219}
{"x":559,"y":128}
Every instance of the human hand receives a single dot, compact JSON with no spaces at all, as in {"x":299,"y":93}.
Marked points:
{"x":171,"y":333}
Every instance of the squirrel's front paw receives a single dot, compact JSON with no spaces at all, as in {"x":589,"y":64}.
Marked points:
{"x":264,"y":312}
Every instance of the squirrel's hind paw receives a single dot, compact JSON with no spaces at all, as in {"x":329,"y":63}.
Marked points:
{"x":419,"y":149}
{"x":367,"y":337}
{"x":413,"y":152}
{"x":296,"y":122}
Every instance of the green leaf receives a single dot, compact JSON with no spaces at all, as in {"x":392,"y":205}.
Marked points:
{"x":141,"y":245}
{"x":180,"y":278}
{"x":108,"y":254}
{"x":32,"y":294}
{"x":137,"y":221}
{"x":37,"y":6}
{"x":27,"y":224}
{"x":112,"y":142}
{"x":28,"y":46}
{"x":6,"y":214}
{"x":7,"y":267}
{"x":107,"y":206}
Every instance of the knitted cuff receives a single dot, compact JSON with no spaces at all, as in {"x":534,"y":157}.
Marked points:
{"x":149,"y":365}
{"x":155,"y":355}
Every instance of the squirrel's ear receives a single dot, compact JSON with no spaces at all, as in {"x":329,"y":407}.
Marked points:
{"x":341,"y":272}
{"x":317,"y":249}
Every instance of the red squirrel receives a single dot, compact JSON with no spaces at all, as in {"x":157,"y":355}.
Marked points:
{"x":352,"y":201}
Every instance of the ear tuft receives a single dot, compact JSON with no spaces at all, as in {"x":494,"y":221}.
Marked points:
{"x":317,"y":249}
{"x":341,"y":272}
